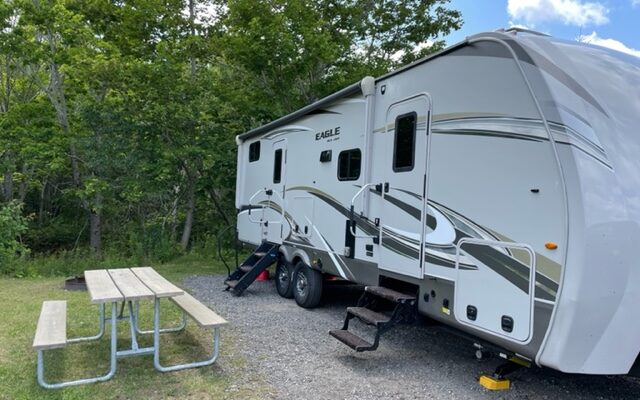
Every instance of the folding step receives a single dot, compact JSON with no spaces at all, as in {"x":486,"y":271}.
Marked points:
{"x":260,"y":254}
{"x":355,"y":342}
{"x":404,"y":310}
{"x":389,"y":294}
{"x":246,"y":268}
{"x":368,"y":316}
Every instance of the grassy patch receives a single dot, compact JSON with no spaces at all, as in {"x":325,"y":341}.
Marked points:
{"x":74,"y":262}
{"x":20,"y":303}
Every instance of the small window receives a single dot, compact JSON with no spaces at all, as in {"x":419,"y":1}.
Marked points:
{"x":254,"y":151}
{"x":349,"y":165}
{"x":277,"y":166}
{"x":404,"y":143}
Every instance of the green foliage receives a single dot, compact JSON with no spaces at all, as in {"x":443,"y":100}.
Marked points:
{"x":118,"y":118}
{"x":68,"y":263}
{"x":60,"y":233}
{"x":12,"y":225}
{"x":296,"y":51}
{"x":154,"y":243}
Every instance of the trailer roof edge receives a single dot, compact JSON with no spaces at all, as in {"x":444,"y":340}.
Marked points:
{"x":355,"y":87}
{"x":348,"y":91}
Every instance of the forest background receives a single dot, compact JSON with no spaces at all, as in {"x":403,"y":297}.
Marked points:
{"x":118,"y":117}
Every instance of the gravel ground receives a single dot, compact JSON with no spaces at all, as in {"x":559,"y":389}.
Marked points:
{"x":291,"y":348}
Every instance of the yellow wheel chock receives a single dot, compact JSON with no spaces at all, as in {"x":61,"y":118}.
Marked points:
{"x":492,"y":383}
{"x":498,"y":380}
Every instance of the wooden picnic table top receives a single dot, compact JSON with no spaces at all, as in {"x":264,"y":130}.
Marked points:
{"x":159,"y":285}
{"x":121,"y":284}
{"x":101,"y":287}
{"x":129,"y":285}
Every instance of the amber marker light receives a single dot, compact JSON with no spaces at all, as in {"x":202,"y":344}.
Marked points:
{"x":551,"y":245}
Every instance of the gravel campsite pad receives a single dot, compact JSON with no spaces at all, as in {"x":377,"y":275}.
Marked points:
{"x":291,"y":348}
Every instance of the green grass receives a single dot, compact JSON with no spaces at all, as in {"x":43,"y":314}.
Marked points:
{"x":135,"y":378}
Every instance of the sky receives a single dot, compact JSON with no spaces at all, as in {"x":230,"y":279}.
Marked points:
{"x":610,"y":23}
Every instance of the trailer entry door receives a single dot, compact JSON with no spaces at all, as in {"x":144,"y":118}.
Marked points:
{"x":403,"y":176}
{"x":274,"y":226}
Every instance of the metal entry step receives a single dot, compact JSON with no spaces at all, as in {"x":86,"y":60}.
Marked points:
{"x":355,"y":342}
{"x":405,"y":309}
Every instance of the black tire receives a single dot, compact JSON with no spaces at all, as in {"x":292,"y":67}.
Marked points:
{"x":307,"y":286}
{"x":284,"y":278}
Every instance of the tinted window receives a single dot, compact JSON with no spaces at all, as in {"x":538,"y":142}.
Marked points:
{"x":404,"y":143}
{"x":277,"y":166}
{"x":349,"y":165}
{"x":254,"y":151}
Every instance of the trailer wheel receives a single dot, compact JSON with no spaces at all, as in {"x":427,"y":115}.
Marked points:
{"x":307,"y":286}
{"x":284,"y":278}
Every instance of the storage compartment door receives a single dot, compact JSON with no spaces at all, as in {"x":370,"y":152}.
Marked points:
{"x":494,"y":289}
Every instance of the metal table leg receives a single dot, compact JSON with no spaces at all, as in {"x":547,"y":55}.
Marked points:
{"x":135,"y":349}
{"x":178,"y":328}
{"x":95,"y":337}
{"x":156,"y":346}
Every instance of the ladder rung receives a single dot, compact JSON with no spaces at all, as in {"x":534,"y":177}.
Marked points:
{"x":368,"y":315}
{"x":355,"y":342}
{"x":231,"y":284}
{"x":388,"y":294}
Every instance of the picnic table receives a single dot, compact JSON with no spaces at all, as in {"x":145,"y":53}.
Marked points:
{"x":127,"y":286}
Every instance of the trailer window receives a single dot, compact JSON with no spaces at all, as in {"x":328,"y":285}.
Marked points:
{"x":349,"y":165}
{"x":277,"y":166}
{"x":404,"y":143}
{"x":254,"y":151}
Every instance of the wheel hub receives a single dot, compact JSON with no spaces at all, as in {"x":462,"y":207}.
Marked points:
{"x":301,"y":284}
{"x":283,"y":277}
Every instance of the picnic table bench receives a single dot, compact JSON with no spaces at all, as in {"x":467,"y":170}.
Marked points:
{"x":52,"y":326}
{"x":128,"y":286}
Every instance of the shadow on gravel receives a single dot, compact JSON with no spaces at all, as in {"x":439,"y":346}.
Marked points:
{"x":421,"y":347}
{"x":413,"y":361}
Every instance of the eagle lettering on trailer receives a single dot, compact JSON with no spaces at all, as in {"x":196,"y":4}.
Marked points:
{"x":328,"y":133}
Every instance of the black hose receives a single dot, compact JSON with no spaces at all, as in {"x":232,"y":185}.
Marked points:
{"x":220,"y":236}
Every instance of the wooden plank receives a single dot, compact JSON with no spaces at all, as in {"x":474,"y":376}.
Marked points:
{"x":129,"y":285}
{"x":51,"y":331}
{"x":101,"y":287}
{"x":198,"y":311}
{"x":160,"y":286}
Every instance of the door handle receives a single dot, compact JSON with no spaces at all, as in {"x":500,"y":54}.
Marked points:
{"x":382,"y":186}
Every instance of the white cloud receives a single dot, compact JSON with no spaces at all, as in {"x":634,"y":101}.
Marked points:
{"x":593,"y":38}
{"x":635,"y":3}
{"x":568,"y":12}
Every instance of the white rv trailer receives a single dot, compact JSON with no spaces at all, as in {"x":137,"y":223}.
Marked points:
{"x":500,"y":176}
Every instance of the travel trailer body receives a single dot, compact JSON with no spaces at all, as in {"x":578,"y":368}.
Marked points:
{"x":500,"y":176}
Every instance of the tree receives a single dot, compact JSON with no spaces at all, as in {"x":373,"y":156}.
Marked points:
{"x":292,"y":52}
{"x":28,"y":140}
{"x":394,"y":33}
{"x":12,"y":225}
{"x":120,"y":116}
{"x":53,"y":38}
